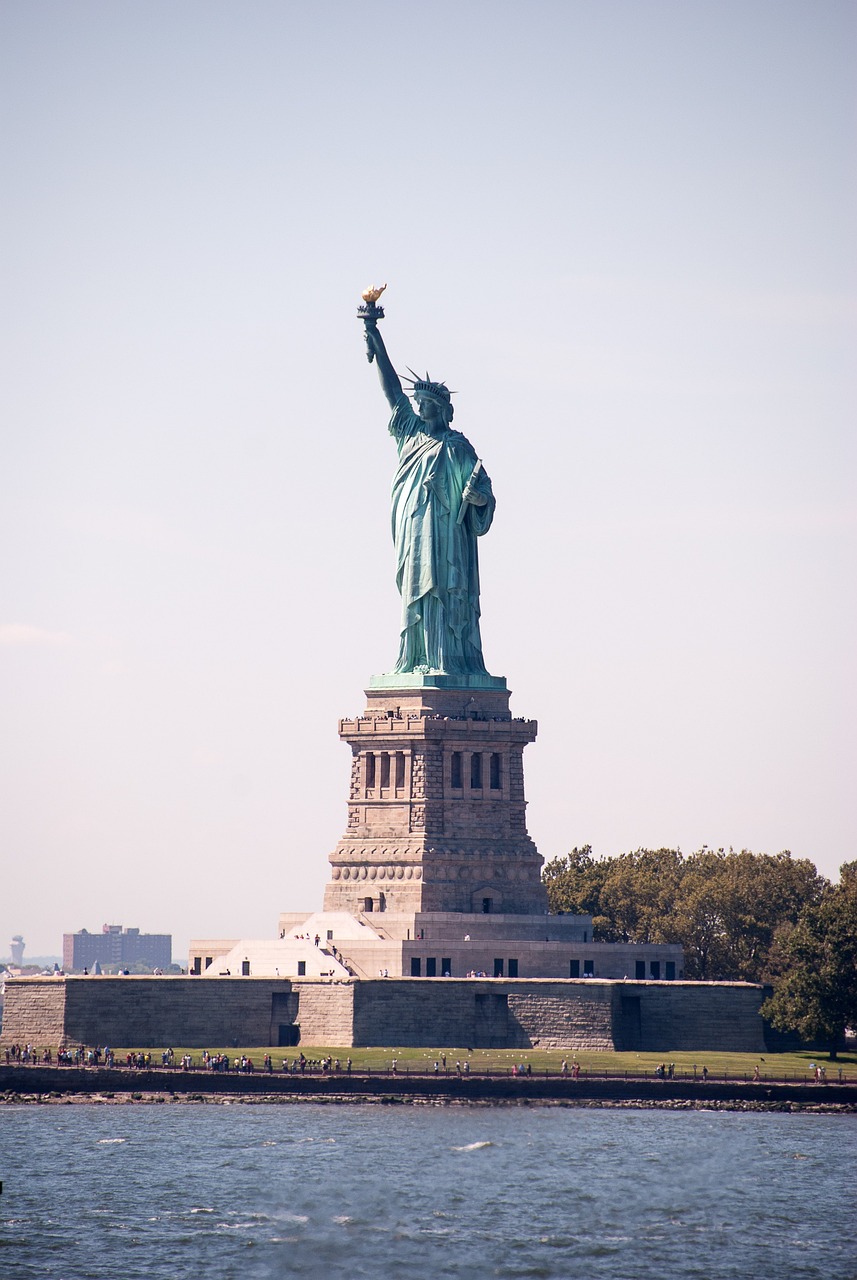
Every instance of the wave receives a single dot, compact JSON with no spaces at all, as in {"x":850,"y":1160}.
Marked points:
{"x":474,"y":1146}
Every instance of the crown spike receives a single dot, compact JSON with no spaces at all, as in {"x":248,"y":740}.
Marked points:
{"x":426,"y":386}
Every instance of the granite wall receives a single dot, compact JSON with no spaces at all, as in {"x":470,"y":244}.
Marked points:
{"x":150,"y":1012}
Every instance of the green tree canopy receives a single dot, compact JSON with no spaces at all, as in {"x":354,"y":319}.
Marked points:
{"x":816,"y":994}
{"x":574,"y":882}
{"x":730,"y":911}
{"x":639,"y":895}
{"x":732,"y":906}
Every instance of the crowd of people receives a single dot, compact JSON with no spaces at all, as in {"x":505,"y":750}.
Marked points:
{"x":28,"y":1054}
{"x":25,"y":1053}
{"x":141,"y":1060}
{"x":302,"y":1064}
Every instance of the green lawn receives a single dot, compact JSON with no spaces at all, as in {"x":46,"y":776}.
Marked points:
{"x":734,"y":1065}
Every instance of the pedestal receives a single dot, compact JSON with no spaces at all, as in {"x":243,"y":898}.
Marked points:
{"x":436,"y":807}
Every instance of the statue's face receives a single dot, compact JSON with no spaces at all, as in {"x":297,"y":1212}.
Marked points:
{"x":429,"y":410}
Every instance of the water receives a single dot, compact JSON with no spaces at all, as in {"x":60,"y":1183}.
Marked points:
{"x":222,"y":1191}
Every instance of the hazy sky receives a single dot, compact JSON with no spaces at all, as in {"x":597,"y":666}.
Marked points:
{"x":623,"y":232}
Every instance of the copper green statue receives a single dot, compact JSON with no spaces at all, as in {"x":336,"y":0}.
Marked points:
{"x":441,"y":503}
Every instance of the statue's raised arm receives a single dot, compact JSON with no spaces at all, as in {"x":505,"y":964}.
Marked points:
{"x":370,"y":313}
{"x":442,"y":502}
{"x":390,"y":383}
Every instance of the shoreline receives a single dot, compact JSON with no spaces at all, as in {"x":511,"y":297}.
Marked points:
{"x":47,"y":1085}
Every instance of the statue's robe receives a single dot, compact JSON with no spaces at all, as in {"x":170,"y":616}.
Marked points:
{"x":437,"y":569}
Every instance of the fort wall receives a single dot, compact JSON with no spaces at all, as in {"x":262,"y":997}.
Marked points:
{"x":694,"y":1015}
{"x":159,"y":1012}
{"x":34,"y":1011}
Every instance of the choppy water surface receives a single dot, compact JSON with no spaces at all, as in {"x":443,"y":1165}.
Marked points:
{"x":257,"y":1191}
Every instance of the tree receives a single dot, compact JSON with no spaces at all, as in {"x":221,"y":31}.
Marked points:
{"x":638,"y":897}
{"x":731,"y":912}
{"x":630,"y":897}
{"x":733,"y":907}
{"x":817,"y":994}
{"x":574,"y":882}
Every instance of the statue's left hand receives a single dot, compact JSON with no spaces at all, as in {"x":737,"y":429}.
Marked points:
{"x":469,"y":494}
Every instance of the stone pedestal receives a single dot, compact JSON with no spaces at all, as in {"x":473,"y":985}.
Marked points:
{"x":436,"y":808}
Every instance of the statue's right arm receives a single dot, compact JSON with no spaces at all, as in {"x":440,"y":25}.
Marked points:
{"x":390,"y":383}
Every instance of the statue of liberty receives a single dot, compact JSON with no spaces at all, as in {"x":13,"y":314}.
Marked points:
{"x":441,"y":503}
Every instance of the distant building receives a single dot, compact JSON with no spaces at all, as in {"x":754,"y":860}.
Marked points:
{"x":116,"y":946}
{"x":17,"y":946}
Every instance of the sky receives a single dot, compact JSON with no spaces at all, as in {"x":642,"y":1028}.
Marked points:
{"x":623,"y":232}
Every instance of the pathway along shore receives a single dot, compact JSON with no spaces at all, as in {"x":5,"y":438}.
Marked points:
{"x":90,"y":1082}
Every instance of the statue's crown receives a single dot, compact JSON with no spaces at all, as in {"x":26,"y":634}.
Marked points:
{"x":428,"y":387}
